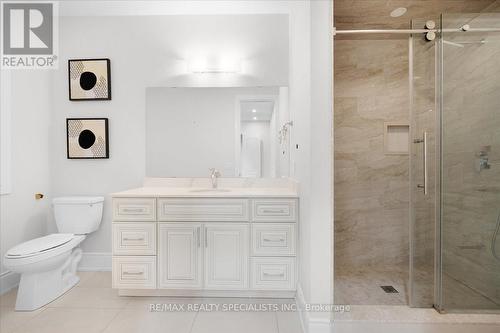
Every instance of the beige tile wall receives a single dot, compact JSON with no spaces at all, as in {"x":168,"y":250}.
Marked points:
{"x":371,"y":188}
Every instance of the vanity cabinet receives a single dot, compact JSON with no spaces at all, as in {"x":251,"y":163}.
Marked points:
{"x":205,"y":246}
{"x":180,"y":256}
{"x":226,"y":256}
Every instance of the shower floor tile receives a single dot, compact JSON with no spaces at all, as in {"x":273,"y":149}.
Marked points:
{"x":363,"y":287}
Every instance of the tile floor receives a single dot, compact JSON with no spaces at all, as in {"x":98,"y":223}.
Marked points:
{"x":94,"y":307}
{"x":362,"y":287}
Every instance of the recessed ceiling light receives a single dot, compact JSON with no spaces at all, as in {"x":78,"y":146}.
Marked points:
{"x":399,"y":12}
{"x":254,"y":110}
{"x":254,"y":118}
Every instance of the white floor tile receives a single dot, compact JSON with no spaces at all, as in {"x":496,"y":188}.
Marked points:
{"x":11,"y":319}
{"x":145,"y":302}
{"x":235,"y":322}
{"x":96,"y":298}
{"x":288,"y":322}
{"x":95,"y":280}
{"x":57,"y":320}
{"x":143,"y":321}
{"x":8,"y":299}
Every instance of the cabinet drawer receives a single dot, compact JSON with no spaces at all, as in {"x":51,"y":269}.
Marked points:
{"x":274,"y":210}
{"x":273,"y":273}
{"x":134,"y":209}
{"x":134,"y":272}
{"x":134,"y":238}
{"x":273,"y":239}
{"x":233,"y":210}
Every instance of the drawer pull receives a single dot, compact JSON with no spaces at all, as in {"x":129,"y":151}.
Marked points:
{"x":133,"y":273}
{"x":273,"y":211}
{"x":274,"y":239}
{"x":282,"y":274}
{"x":133,"y":239}
{"x":134,"y":210}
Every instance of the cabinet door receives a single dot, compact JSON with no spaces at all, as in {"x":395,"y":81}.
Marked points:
{"x":226,"y":256}
{"x":180,"y":255}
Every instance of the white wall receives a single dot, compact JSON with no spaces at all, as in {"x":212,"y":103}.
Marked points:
{"x":205,"y":120}
{"x":321,"y":208}
{"x":311,"y":106}
{"x":21,"y":216}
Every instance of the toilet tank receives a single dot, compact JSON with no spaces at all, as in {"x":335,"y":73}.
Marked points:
{"x":78,"y":214}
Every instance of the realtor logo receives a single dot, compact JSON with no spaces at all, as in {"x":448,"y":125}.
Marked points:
{"x":29,"y":34}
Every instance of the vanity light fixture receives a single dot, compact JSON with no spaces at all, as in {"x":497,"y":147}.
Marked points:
{"x":222,"y":66}
{"x":398,"y":12}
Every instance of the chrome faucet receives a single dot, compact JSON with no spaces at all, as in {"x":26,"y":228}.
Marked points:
{"x":214,"y":174}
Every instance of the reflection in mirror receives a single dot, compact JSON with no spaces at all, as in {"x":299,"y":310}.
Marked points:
{"x":242,"y":132}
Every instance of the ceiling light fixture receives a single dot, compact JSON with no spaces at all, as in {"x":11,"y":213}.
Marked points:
{"x":254,"y":118}
{"x":254,"y":110}
{"x":399,"y":12}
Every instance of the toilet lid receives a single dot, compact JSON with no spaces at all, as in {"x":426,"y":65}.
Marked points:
{"x":38,"y":245}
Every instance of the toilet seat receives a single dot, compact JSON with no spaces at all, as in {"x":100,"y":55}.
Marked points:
{"x":41,"y":249}
{"x":39,"y":245}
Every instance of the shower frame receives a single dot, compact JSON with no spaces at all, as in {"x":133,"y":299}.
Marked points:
{"x":425,"y":33}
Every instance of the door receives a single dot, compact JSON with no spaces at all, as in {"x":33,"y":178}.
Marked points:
{"x":424,"y":144}
{"x":226,"y":256}
{"x":469,"y":266}
{"x":180,"y":255}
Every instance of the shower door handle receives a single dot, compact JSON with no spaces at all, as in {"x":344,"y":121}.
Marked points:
{"x":423,"y":141}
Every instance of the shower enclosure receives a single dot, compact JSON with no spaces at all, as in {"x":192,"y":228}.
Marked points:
{"x":455,"y":163}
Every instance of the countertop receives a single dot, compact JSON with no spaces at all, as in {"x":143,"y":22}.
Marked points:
{"x":195,"y":192}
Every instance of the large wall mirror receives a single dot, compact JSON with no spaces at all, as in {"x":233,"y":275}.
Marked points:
{"x":242,"y":132}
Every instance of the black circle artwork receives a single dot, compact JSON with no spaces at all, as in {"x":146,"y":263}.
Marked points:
{"x":88,"y":80}
{"x":86,"y":139}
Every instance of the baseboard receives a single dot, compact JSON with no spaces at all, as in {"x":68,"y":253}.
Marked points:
{"x":304,"y":315}
{"x":95,"y":262}
{"x":8,"y":281}
{"x":309,"y":324}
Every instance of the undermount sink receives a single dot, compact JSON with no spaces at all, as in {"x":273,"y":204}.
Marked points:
{"x":210,"y":190}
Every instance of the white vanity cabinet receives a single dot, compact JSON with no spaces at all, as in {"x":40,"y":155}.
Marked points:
{"x":180,"y":255}
{"x":226,"y":256}
{"x":205,"y":246}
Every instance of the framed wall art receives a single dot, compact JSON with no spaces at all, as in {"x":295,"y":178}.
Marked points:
{"x":89,"y":79}
{"x":87,"y":138}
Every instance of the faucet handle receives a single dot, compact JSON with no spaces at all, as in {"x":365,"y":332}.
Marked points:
{"x":215,"y":172}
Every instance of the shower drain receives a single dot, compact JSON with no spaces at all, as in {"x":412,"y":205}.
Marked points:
{"x":389,"y":289}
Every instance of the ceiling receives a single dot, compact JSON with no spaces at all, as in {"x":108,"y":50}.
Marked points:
{"x":257,"y":110}
{"x":375,"y":14}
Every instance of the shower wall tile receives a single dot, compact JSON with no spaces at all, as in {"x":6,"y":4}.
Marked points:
{"x":371,"y":188}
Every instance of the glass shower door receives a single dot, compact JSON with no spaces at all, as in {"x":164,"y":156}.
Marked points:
{"x":469,"y":262}
{"x":423,"y":165}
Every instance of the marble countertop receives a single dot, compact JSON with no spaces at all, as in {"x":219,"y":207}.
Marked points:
{"x":203,"y":192}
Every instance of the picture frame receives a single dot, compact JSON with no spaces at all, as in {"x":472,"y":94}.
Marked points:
{"x":89,"y":79}
{"x":87,"y":138}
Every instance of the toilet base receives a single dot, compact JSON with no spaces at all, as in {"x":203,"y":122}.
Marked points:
{"x":37,"y":289}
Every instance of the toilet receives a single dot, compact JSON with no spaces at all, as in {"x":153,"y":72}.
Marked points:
{"x":48,"y":264}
